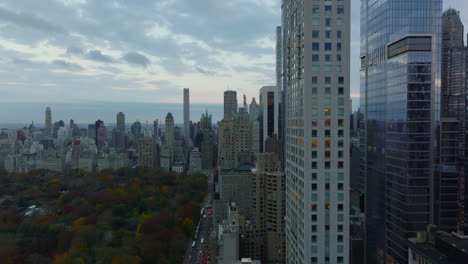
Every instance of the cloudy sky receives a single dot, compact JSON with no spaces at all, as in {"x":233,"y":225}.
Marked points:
{"x":142,"y":51}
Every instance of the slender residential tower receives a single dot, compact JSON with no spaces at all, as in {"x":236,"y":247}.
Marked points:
{"x":400,"y":94}
{"x":279,"y":50}
{"x":317,"y":91}
{"x":187,"y":116}
{"x":48,"y":122}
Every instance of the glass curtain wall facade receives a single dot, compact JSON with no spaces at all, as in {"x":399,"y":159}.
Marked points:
{"x":316,"y":46}
{"x":400,"y":91}
{"x":451,"y":181}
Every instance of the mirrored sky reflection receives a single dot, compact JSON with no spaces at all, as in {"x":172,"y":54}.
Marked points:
{"x":143,"y":51}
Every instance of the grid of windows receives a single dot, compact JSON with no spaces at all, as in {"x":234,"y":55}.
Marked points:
{"x":323,"y":139}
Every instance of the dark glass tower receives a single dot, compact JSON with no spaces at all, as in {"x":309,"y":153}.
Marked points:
{"x":451,"y":174}
{"x":400,"y":87}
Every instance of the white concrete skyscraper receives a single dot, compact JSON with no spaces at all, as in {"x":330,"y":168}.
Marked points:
{"x":316,"y":51}
{"x":48,"y":122}
{"x":187,"y":116}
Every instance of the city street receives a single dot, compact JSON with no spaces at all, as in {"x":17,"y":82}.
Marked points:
{"x":198,"y":249}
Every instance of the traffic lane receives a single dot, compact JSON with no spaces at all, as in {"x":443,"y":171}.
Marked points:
{"x":200,"y":254}
{"x":195,"y":250}
{"x":196,"y":258}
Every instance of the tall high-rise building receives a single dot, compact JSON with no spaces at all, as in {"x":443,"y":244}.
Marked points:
{"x":268,"y":207}
{"x":451,"y":181}
{"x":156,"y":129}
{"x":169,"y":135}
{"x":147,"y":152}
{"x":75,"y":131}
{"x":118,"y":134}
{"x":230,"y":104}
{"x":196,"y":161}
{"x":121,"y":122}
{"x":101,"y":134}
{"x":56,"y":127}
{"x":235,"y":141}
{"x":270,"y":103}
{"x":187,"y":116}
{"x":207,"y":144}
{"x":317,"y":91}
{"x":136,"y":131}
{"x":280,"y":93}
{"x":92,"y":131}
{"x":206,"y":121}
{"x":254,"y":110}
{"x":254,"y":114}
{"x":400,"y":88}
{"x":48,"y":122}
{"x":279,"y":63}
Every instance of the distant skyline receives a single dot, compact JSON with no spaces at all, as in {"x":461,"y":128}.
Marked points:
{"x":12,"y":113}
{"x":144,"y":51}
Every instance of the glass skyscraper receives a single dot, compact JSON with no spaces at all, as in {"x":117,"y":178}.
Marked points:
{"x":316,"y":61}
{"x":400,"y":91}
{"x":451,"y":174}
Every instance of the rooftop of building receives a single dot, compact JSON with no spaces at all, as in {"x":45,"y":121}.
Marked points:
{"x":245,"y":167}
{"x":428,"y":251}
{"x":451,"y":12}
{"x":458,"y":243}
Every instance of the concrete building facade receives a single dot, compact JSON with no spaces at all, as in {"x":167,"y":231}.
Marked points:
{"x":316,"y":52}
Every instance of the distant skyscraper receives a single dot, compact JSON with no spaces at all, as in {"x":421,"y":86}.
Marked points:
{"x":187,"y":116}
{"x":451,"y":180}
{"x":207,"y":144}
{"x":317,"y":92}
{"x":92,"y":131}
{"x":76,"y":131}
{"x":156,"y":129}
{"x":48,"y":122}
{"x":101,"y":134}
{"x":169,"y":135}
{"x":121,"y":122}
{"x":254,"y":112}
{"x":119,"y":134}
{"x":206,"y":121}
{"x":270,"y":103}
{"x":400,"y":87}
{"x":136,"y":131}
{"x":196,"y":163}
{"x":57,"y":126}
{"x":147,"y":152}
{"x":230,"y":104}
{"x":235,"y":141}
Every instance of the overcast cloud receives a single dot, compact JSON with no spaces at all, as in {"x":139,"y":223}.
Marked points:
{"x":143,"y":51}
